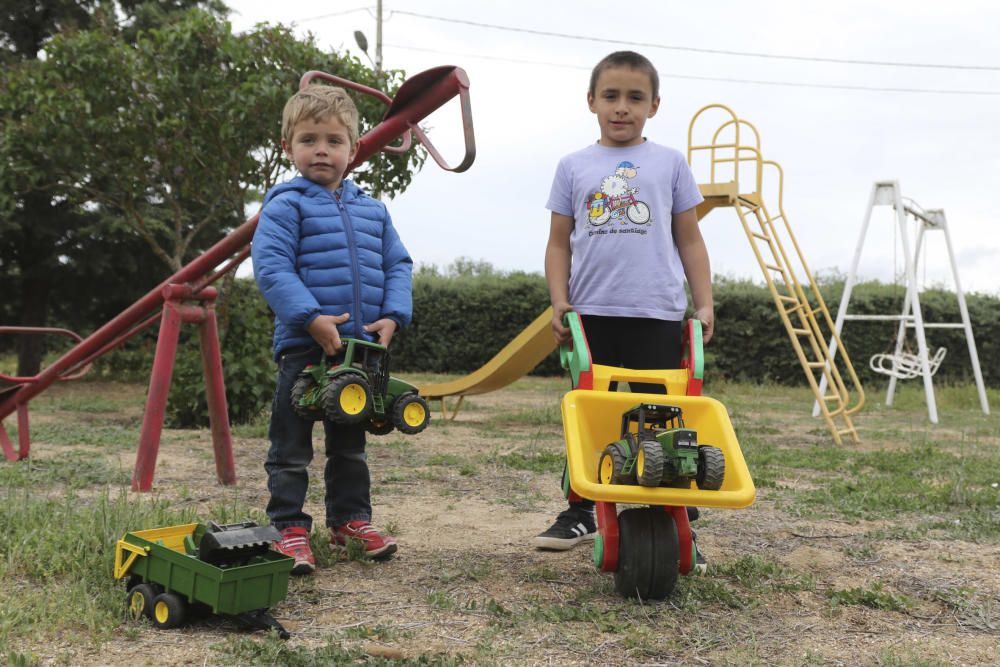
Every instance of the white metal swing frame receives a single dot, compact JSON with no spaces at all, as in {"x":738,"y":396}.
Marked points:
{"x":905,"y":365}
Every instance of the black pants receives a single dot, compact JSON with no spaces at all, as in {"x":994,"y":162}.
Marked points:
{"x":638,"y":343}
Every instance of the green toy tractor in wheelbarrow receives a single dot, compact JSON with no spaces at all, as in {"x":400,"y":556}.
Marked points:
{"x":355,"y":387}
{"x":660,"y":451}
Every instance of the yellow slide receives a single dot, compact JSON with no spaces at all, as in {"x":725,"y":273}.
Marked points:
{"x":515,"y":360}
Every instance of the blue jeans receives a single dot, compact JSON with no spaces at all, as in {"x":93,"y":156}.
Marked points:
{"x":348,"y":483}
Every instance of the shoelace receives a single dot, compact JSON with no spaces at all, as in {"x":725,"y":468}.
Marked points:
{"x":362,"y":530}
{"x":294,"y":543}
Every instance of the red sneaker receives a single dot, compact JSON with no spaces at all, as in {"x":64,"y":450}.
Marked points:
{"x":377,"y":544}
{"x":295,"y":543}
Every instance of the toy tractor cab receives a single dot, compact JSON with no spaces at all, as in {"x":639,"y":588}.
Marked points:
{"x":355,"y":387}
{"x":655,"y":449}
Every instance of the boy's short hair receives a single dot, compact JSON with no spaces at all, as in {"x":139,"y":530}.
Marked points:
{"x":626,"y":59}
{"x":318,"y":102}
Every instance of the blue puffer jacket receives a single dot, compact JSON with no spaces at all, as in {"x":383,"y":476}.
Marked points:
{"x":317,"y":252}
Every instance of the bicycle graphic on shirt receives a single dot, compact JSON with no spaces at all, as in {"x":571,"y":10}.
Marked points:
{"x":616,"y":200}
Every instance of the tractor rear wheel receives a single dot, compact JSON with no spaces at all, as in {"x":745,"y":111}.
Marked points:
{"x":168,"y":611}
{"x":711,"y":468}
{"x":302,"y":386}
{"x":648,"y":554}
{"x":410,"y":413}
{"x":649,"y":463}
{"x":139,"y":601}
{"x":347,"y":399}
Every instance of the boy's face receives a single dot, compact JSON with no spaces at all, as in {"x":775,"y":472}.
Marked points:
{"x":321,"y":150}
{"x":623,"y":101}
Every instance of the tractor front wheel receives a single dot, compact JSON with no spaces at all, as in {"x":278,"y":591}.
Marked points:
{"x":649,"y":463}
{"x":410,"y":413}
{"x":168,"y":611}
{"x":611,"y":469}
{"x":648,"y":554}
{"x":347,"y":399}
{"x":380,"y":427}
{"x":711,"y":468}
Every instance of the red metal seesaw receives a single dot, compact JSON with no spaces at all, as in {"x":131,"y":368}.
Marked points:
{"x":187,"y":296}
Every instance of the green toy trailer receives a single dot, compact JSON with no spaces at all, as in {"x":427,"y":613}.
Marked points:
{"x":655,"y":449}
{"x":356,"y":387}
{"x":231,"y":569}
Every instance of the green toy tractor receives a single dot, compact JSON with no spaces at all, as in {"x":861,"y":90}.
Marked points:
{"x":660,"y":451}
{"x":355,"y":387}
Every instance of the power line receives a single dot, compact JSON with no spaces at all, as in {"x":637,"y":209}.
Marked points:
{"x":792,"y":84}
{"x":366,"y":8}
{"x":726,"y":52}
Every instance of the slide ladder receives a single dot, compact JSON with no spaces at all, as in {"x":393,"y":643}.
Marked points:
{"x":799,"y":302}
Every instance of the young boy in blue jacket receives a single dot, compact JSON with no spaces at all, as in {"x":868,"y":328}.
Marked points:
{"x":330,"y":265}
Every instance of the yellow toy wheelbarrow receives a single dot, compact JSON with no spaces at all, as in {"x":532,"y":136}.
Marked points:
{"x":668,"y":452}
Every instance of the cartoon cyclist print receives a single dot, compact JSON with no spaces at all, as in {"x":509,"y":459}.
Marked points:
{"x":617,"y":200}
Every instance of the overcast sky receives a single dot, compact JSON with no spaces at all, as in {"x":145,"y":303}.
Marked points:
{"x":834,"y":126}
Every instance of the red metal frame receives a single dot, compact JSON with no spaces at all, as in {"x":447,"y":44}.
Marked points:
{"x":416,"y":99}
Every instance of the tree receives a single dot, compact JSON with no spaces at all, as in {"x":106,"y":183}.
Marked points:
{"x":167,"y":135}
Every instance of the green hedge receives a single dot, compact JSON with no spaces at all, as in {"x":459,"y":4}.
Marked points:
{"x":461,"y":321}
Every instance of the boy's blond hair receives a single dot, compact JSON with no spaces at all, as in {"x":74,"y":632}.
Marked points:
{"x":318,"y":102}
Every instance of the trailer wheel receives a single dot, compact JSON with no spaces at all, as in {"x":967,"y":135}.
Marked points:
{"x":410,"y":413}
{"x":301,"y":387}
{"x":649,"y":463}
{"x":648,"y":554}
{"x":347,"y":399}
{"x":168,"y":611}
{"x":139,"y":601}
{"x":380,"y":427}
{"x":711,"y":468}
{"x":611,"y":468}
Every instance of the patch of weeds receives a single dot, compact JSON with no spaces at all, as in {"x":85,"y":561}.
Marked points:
{"x":439,"y":600}
{"x":909,"y":657}
{"x":758,"y":574}
{"x":551,"y":612}
{"x":271,"y":650}
{"x":970,"y":608}
{"x":547,"y":416}
{"x":467,"y":568}
{"x":693,"y":593}
{"x":536,"y":460}
{"x":106,"y":436}
{"x":383,"y":633}
{"x":450,"y":460}
{"x":543,"y":572}
{"x":75,"y":470}
{"x":489,"y":606}
{"x":93,"y":403}
{"x":875,"y":597}
{"x":861,"y":554}
{"x":468,"y":470}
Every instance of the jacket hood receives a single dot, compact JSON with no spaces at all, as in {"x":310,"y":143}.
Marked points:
{"x":348,"y":189}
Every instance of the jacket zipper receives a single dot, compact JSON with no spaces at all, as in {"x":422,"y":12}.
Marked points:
{"x":355,"y":269}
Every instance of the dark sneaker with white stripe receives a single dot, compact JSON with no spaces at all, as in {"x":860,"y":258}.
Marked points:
{"x":569,"y":530}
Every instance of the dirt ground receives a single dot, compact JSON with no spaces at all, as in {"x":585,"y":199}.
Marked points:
{"x":466,"y":582}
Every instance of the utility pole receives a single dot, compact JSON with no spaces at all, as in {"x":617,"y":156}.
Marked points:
{"x":378,"y":43}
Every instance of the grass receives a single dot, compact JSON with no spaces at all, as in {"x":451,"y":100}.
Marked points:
{"x":909,"y":481}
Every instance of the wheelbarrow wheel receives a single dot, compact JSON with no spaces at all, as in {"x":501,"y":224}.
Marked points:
{"x":611,"y":469}
{"x":649,"y":463}
{"x":139,"y":601}
{"x":347,"y":399}
{"x":168,"y":611}
{"x":648,"y":554}
{"x":711,"y":468}
{"x":302,"y":386}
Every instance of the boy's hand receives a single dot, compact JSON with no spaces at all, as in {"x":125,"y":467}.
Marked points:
{"x":707,"y":318}
{"x":383,"y":328}
{"x":324,"y":330}
{"x":560,"y":331}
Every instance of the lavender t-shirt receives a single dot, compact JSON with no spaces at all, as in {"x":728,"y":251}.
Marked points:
{"x":622,"y":201}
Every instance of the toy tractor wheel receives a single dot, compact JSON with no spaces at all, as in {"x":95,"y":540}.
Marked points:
{"x":711,"y":468}
{"x":301,"y":387}
{"x":139,"y":601}
{"x":611,"y":468}
{"x":649,"y":463}
{"x":410,"y":413}
{"x":347,"y":399}
{"x":168,"y":611}
{"x":648,"y":554}
{"x":380,"y":427}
